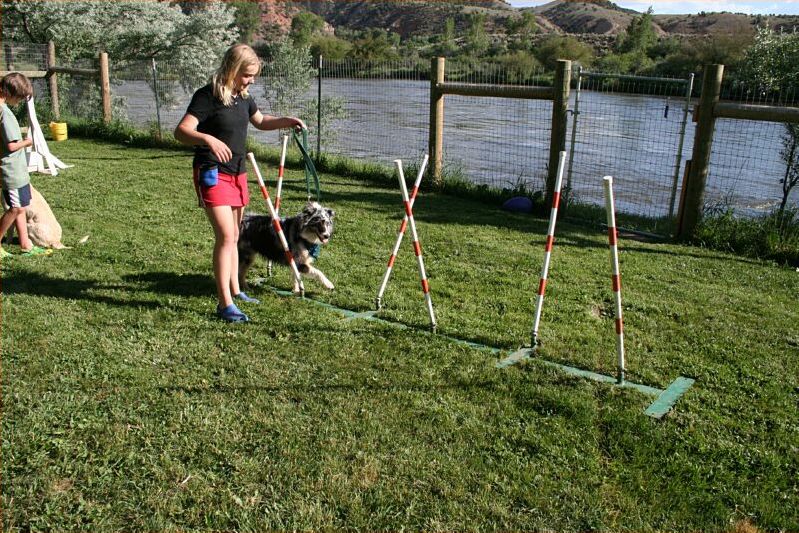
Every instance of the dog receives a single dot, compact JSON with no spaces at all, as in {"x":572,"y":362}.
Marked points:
{"x":43,"y":228}
{"x":305,"y":234}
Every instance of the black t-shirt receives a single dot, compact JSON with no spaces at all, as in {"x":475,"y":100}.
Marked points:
{"x":226,"y":123}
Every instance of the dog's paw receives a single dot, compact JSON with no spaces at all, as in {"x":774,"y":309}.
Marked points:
{"x":329,"y":286}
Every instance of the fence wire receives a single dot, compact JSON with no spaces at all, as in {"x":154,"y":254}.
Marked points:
{"x":499,"y":142}
{"x":746,"y":169}
{"x":627,"y":128}
{"x":384,"y":110}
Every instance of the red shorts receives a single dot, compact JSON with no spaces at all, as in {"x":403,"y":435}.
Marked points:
{"x":229,"y":190}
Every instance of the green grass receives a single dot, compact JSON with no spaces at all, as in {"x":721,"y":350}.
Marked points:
{"x":127,"y":406}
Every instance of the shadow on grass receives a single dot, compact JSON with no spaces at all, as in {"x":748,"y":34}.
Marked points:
{"x":74,"y":289}
{"x":174,"y":283}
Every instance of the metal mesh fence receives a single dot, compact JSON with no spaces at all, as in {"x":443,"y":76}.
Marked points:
{"x":23,"y":56}
{"x":500,"y":142}
{"x":629,"y":128}
{"x":746,"y":162}
{"x":384,"y":110}
{"x":150,"y":94}
{"x":633,"y":129}
{"x":29,"y":57}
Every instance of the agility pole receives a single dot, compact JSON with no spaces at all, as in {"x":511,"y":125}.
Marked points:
{"x":276,"y":224}
{"x":417,"y":247}
{"x":553,"y":217}
{"x":400,"y":235}
{"x":279,"y":193}
{"x":616,"y":275}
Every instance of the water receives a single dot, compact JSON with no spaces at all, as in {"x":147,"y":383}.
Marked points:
{"x":505,"y":142}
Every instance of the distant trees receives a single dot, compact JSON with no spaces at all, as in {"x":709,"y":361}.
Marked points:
{"x":304,"y":26}
{"x":632,"y":51}
{"x":128,"y":31}
{"x":247,"y":19}
{"x":557,"y":47}
{"x":376,"y":44}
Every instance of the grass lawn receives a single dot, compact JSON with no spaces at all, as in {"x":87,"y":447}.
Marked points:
{"x":127,"y":406}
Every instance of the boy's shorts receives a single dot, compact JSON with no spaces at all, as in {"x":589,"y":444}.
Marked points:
{"x":18,"y":197}
{"x":229,"y":190}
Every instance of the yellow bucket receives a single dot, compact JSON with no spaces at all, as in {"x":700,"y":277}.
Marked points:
{"x":58,"y":130}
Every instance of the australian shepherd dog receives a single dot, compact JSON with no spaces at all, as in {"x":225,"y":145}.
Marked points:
{"x":305,"y":234}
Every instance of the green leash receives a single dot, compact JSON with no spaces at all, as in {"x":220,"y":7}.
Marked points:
{"x":310,"y":168}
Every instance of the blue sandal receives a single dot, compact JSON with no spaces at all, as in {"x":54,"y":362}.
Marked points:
{"x":244,"y":298}
{"x":231,"y":313}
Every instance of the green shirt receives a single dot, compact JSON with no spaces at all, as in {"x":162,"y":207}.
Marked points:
{"x":14,"y":165}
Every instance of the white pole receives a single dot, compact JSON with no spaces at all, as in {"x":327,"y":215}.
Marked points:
{"x":279,"y":194}
{"x":553,"y":217}
{"x":417,"y":247}
{"x":400,"y":235}
{"x":616,"y":276}
{"x":276,"y":224}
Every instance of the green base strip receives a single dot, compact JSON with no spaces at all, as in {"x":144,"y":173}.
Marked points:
{"x":666,"y":400}
{"x":515,"y":357}
{"x":663,"y":404}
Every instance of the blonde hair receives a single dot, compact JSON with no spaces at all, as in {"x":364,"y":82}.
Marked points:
{"x":237,"y":58}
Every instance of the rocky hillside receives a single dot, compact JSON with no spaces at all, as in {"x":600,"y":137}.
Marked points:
{"x":426,"y":17}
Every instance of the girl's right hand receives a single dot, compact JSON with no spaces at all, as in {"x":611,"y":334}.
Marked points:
{"x":221,"y":151}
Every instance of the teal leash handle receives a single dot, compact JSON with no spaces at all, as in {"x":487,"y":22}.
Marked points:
{"x":310,"y":168}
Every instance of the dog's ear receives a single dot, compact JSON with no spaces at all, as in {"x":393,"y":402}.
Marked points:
{"x":307,"y":212}
{"x":330,"y":213}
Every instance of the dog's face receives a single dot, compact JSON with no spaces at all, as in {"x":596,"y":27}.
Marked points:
{"x":316,"y":223}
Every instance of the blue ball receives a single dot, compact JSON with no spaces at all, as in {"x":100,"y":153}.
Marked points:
{"x":518,"y":204}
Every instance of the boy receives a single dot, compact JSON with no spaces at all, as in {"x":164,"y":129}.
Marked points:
{"x":16,"y":189}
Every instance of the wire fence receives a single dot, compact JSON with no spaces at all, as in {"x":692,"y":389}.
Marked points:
{"x":634,"y":129}
{"x":631,"y":128}
{"x":747,"y":163}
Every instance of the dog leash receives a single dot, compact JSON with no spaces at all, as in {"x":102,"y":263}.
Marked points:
{"x":310,"y":168}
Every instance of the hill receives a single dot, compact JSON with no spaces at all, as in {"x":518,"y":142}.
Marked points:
{"x":427,"y":17}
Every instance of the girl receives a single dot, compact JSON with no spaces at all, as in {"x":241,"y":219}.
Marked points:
{"x":215,"y":123}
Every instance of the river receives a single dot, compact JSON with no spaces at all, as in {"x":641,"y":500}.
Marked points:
{"x":505,"y":142}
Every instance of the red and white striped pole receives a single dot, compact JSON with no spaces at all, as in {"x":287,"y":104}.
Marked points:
{"x":280,"y":169}
{"x":400,"y":235}
{"x":276,"y":224}
{"x":553,"y":217}
{"x":279,"y":194}
{"x":616,"y":277}
{"x":417,"y":247}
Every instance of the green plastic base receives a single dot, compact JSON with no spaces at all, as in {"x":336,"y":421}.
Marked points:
{"x":665,"y":401}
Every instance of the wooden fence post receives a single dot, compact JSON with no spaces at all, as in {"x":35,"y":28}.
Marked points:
{"x":703,"y":142}
{"x":52,"y":80}
{"x":436,"y":128}
{"x":105,"y":87}
{"x":557,"y":142}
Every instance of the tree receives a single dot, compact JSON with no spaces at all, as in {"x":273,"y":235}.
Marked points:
{"x":563,"y":47}
{"x":524,"y":26}
{"x":772,"y":64}
{"x":639,"y":36}
{"x":376,"y":44}
{"x":303,"y":28}
{"x":128,"y":31}
{"x":476,"y":38}
{"x":248,"y":19}
{"x":330,"y":47}
{"x":288,"y":80}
